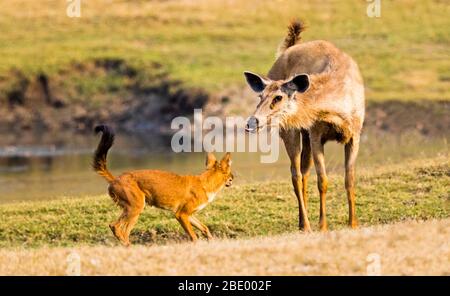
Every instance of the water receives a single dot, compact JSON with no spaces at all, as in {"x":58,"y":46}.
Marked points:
{"x":61,"y":168}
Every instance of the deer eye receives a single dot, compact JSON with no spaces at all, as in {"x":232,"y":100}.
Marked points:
{"x":276,"y":99}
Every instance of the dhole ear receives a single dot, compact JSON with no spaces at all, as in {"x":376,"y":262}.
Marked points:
{"x":256,"y":82}
{"x":210,"y":160}
{"x":298,"y":83}
{"x":226,"y":160}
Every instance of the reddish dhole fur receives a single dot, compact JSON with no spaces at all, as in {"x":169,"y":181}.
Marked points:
{"x":182,"y":195}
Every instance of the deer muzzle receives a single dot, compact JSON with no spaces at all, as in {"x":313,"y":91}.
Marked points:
{"x":252,"y":124}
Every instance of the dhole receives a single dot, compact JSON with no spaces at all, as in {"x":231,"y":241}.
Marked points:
{"x":183,"y":195}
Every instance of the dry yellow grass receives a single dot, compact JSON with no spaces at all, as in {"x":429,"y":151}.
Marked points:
{"x":407,"y":248}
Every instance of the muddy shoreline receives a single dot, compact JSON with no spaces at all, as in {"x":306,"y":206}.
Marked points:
{"x":132,"y":100}
{"x":427,"y":118}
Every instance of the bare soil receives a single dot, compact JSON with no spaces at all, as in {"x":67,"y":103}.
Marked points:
{"x":135,"y":100}
{"x":103,"y":90}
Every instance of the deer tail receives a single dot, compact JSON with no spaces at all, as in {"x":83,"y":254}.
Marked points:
{"x":295,"y":28}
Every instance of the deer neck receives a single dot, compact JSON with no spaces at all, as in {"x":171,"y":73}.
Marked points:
{"x":304,"y":116}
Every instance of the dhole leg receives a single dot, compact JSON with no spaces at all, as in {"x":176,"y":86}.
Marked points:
{"x":131,"y":219}
{"x":122,"y":228}
{"x":292,"y":143}
{"x":322,"y":180}
{"x":305,"y":164}
{"x":117,"y":229}
{"x":351,"y":151}
{"x":200,"y":226}
{"x":131,"y":211}
{"x":183,"y":218}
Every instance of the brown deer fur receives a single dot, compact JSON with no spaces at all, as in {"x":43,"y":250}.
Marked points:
{"x":314,"y":92}
{"x":183,"y":195}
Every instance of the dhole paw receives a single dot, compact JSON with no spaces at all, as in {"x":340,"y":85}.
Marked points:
{"x":117,"y":234}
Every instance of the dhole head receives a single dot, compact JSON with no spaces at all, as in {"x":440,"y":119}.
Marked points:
{"x":222,"y":168}
{"x":277,"y":99}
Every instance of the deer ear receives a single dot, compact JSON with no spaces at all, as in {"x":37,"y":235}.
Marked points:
{"x":299,"y":83}
{"x":226,"y":160}
{"x":256,"y":82}
{"x":210,"y":160}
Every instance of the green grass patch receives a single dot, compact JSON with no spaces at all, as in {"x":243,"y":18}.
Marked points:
{"x":403,"y":55}
{"x":387,"y":195}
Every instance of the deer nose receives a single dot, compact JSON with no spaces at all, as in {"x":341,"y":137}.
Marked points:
{"x":252,"y":124}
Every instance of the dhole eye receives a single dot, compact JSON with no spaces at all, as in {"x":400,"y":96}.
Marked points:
{"x":276,"y":99}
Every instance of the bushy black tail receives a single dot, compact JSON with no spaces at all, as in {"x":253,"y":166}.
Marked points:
{"x":295,"y":28}
{"x":99,"y":162}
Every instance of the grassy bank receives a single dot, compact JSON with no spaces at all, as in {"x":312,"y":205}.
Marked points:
{"x":417,"y":190}
{"x":403,"y":54}
{"x":406,"y":248}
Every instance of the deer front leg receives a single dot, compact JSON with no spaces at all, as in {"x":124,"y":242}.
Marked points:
{"x":305,"y":164}
{"x":292,"y":143}
{"x":351,"y":151}
{"x":322,"y":179}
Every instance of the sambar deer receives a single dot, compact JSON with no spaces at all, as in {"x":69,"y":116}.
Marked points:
{"x":313,"y":92}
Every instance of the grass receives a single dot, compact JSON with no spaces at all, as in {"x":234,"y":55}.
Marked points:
{"x":414,"y":191}
{"x":407,"y":248}
{"x":403,"y":55}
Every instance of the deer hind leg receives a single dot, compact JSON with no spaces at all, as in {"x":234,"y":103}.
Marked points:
{"x":305,"y":164}
{"x":351,"y":152}
{"x":292,"y":142}
{"x":200,"y":226}
{"x":322,"y":179}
